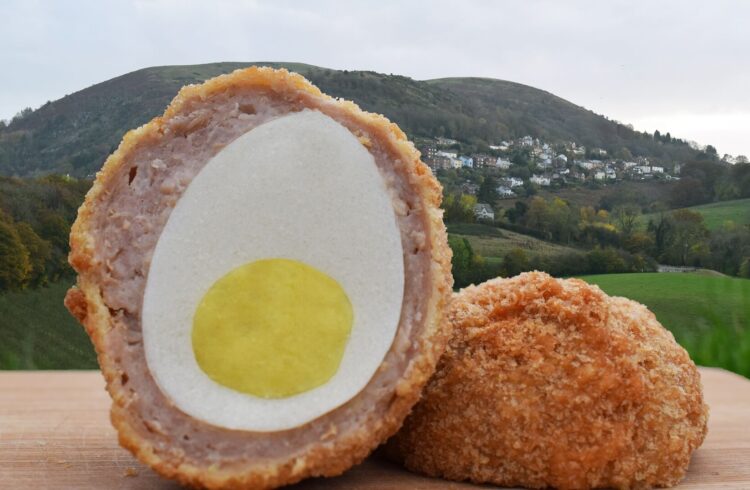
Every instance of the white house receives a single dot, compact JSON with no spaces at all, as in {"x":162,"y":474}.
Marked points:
{"x":627,"y":165}
{"x":600,"y":175}
{"x":502,"y":163}
{"x":643,"y":169}
{"x":657,"y":170}
{"x":484,"y":211}
{"x":505,"y":192}
{"x":540,"y":180}
{"x":527,"y":141}
{"x":513,"y":182}
{"x":561,"y":159}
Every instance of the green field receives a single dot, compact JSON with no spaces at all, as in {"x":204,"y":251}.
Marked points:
{"x":37,"y":332}
{"x":708,"y":314}
{"x":493,"y":243}
{"x":718,"y":213}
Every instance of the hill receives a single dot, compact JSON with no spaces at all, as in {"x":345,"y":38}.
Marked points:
{"x":76,"y":133}
{"x":493,"y":243}
{"x":718,"y":213}
{"x":708,"y":314}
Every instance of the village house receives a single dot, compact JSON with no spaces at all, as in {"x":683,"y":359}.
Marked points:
{"x":484,"y":212}
{"x":513,"y":182}
{"x":482,"y":160}
{"x":503,"y":163}
{"x":657,"y":170}
{"x":600,"y":175}
{"x":469,"y":188}
{"x":504,"y":192}
{"x":467,"y":162}
{"x":561,"y":159}
{"x":446,"y":141}
{"x":429,"y":152}
{"x":540,"y":180}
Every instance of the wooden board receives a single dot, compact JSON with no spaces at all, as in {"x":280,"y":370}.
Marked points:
{"x":55,"y":434}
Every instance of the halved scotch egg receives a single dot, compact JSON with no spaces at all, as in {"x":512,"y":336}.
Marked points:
{"x":263,"y":272}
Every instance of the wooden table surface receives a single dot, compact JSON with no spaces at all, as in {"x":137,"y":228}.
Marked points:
{"x":55,"y":433}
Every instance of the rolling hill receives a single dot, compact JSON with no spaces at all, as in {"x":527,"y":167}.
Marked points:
{"x":76,"y":133}
{"x":716,"y":214}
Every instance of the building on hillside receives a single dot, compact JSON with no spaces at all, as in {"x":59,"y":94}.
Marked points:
{"x":428,"y":151}
{"x":600,"y":175}
{"x":503,"y":146}
{"x":467,"y":162}
{"x":677,"y":168}
{"x":527,"y":141}
{"x":505,"y":192}
{"x":544,"y":162}
{"x":484,"y":211}
{"x":657,"y":170}
{"x":540,"y":180}
{"x":503,"y":163}
{"x":561,"y":159}
{"x":439,"y":162}
{"x":482,"y":160}
{"x":513,"y":182}
{"x":446,"y":142}
{"x":627,"y":165}
{"x":469,"y":188}
{"x":643,"y":169}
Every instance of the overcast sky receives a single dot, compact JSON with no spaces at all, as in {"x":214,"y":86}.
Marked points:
{"x":678,"y":66}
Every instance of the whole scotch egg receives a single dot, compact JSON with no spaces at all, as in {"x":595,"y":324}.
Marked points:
{"x":263,"y":271}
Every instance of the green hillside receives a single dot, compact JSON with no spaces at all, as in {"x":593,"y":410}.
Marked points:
{"x":708,"y":314}
{"x":493,"y":243}
{"x":716,"y":214}
{"x":76,"y":133}
{"x":38,"y":332}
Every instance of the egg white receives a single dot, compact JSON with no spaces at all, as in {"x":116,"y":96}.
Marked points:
{"x":300,"y":187}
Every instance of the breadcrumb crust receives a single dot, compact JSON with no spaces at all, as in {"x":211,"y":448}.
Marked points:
{"x":329,"y":457}
{"x":551,"y":382}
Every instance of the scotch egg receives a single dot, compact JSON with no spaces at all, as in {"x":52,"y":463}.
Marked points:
{"x":263,"y":272}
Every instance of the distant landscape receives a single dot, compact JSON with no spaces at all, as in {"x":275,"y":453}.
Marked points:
{"x":531,"y":181}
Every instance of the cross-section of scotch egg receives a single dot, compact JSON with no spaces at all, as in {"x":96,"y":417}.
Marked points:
{"x":263,"y":272}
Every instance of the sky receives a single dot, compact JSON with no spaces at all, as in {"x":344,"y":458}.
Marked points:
{"x":677,"y":66}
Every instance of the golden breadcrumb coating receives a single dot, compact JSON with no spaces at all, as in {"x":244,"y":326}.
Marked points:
{"x":338,"y":450}
{"x":551,"y":382}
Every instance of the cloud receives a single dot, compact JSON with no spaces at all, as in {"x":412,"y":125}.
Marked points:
{"x":632,"y":61}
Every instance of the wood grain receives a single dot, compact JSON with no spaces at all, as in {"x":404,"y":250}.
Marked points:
{"x":55,"y":434}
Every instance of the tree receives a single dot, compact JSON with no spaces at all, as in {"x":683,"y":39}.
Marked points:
{"x":687,"y":238}
{"x":459,"y":208}
{"x":467,"y":266}
{"x":740,"y":159}
{"x":515,"y":262}
{"x":14,"y":258}
{"x":657,"y":135}
{"x":488,"y":191}
{"x":626,"y":218}
{"x":40,"y":252}
{"x":745,"y":268}
{"x":688,"y":192}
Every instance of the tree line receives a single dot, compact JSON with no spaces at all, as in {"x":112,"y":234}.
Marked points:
{"x":619,"y":239}
{"x":35,"y":220}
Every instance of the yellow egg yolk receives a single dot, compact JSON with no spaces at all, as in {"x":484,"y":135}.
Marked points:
{"x":272,"y":328}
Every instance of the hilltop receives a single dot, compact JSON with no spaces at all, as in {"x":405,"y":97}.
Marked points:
{"x":75,"y":134}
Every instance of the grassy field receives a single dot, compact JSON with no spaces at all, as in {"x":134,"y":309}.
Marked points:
{"x":37,"y":332}
{"x":708,"y":314}
{"x":493,"y":243}
{"x":718,"y":213}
